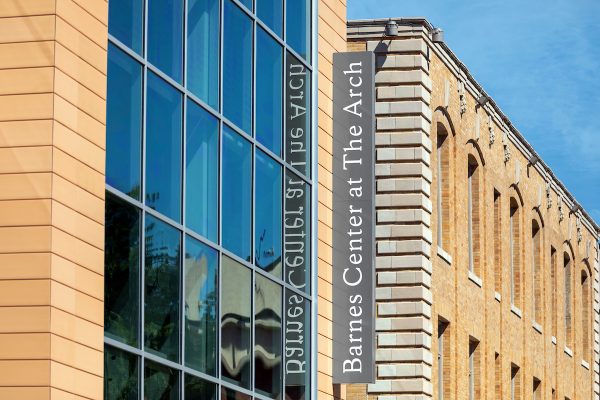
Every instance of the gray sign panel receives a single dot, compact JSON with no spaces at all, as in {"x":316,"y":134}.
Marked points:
{"x":353,"y":218}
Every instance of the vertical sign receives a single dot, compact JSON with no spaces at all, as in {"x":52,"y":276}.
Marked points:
{"x":353,"y":222}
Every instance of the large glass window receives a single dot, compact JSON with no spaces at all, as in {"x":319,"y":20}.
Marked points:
{"x":203,"y":50}
{"x":202,"y":171}
{"x":121,"y":260}
{"x":160,"y":382}
{"x":269,"y":91}
{"x":161,"y":313}
{"x":271,"y":13}
{"x":236,"y":200}
{"x":237,"y":67}
{"x":200,"y":282}
{"x":298,"y":26}
{"x":267,"y":334}
{"x":120,"y":375}
{"x":163,"y":148}
{"x":165,"y":36}
{"x":236,"y":322}
{"x":267,"y":235}
{"x":124,"y":123}
{"x":208,"y":203}
{"x":126,"y":22}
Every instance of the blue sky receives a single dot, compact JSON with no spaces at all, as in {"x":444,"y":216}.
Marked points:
{"x":540,"y":61}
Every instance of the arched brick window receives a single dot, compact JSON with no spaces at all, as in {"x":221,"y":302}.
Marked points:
{"x":515,"y":253}
{"x":586,"y":304}
{"x":567,"y":275}
{"x":474,"y":215}
{"x":443,"y":187}
{"x":536,"y":259}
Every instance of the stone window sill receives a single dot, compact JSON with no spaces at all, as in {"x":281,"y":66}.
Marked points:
{"x":568,"y":352}
{"x":475,"y":279}
{"x":444,"y":256}
{"x":515,"y":310}
{"x":537,"y":327}
{"x":498,"y":297}
{"x":585,"y":364}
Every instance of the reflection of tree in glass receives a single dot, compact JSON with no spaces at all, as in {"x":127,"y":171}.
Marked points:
{"x":122,"y":271}
{"x":121,"y":373}
{"x":162,"y":287}
{"x":160,"y":383}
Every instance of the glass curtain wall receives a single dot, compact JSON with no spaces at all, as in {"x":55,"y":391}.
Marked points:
{"x":208,"y":200}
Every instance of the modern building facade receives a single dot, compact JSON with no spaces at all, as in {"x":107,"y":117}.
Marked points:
{"x":487,"y":268}
{"x":166,"y":212}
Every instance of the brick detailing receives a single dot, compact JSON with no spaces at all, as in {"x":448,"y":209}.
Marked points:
{"x":403,"y":205}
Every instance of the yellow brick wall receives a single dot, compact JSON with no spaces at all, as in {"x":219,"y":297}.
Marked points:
{"x":52,"y":140}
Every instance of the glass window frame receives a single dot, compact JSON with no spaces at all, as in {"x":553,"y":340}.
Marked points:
{"x":308,"y":296}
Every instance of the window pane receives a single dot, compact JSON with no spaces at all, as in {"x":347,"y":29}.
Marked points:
{"x":198,"y":389}
{"x":298,"y":26}
{"x":165,"y":36}
{"x":163,"y":148}
{"x":271,"y":13}
{"x":202,"y":171}
{"x":122,"y":259}
{"x":267,"y":336}
{"x":247,"y":3}
{"x":160,"y":383}
{"x":298,"y":132}
{"x":163,"y":249}
{"x":120,"y":375}
{"x":200,"y":307}
{"x":297,"y":347}
{"x":236,"y":199}
{"x":269,"y":95}
{"x":237,"y":67}
{"x":296,"y":241}
{"x":267,"y":237}
{"x":203,"y":50}
{"x":236,"y":320}
{"x":123,"y":123}
{"x":125,"y":22}
{"x":230,"y":394}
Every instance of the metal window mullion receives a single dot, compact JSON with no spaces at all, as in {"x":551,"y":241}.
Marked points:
{"x":182,"y":190}
{"x":314,"y":200}
{"x":142,"y":294}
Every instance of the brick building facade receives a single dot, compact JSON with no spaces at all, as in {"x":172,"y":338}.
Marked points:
{"x":487,"y":268}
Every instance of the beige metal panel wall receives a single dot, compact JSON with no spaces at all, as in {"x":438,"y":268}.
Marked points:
{"x":332,"y":38}
{"x":52,"y":140}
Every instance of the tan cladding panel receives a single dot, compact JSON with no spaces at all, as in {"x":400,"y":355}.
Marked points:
{"x":331,"y":38}
{"x":52,"y":141}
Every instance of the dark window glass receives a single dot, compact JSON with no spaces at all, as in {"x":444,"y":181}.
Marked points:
{"x":237,"y":67}
{"x":269,"y":95}
{"x":236,"y":322}
{"x":267,"y":337}
{"x":271,"y":13}
{"x":163,"y":254}
{"x":163,"y":148}
{"x":122,"y":260}
{"x":297,"y":347}
{"x":203,"y":50}
{"x":297,"y":134}
{"x":296,"y":236}
{"x":123,"y":123}
{"x":236,"y":199}
{"x":165,"y":36}
{"x":198,"y":389}
{"x":247,"y":3}
{"x":230,"y":394}
{"x":267,"y":237}
{"x":120,"y":375}
{"x":202,"y":171}
{"x":160,"y":382}
{"x":200,"y":282}
{"x":126,"y":22}
{"x":298,"y":26}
